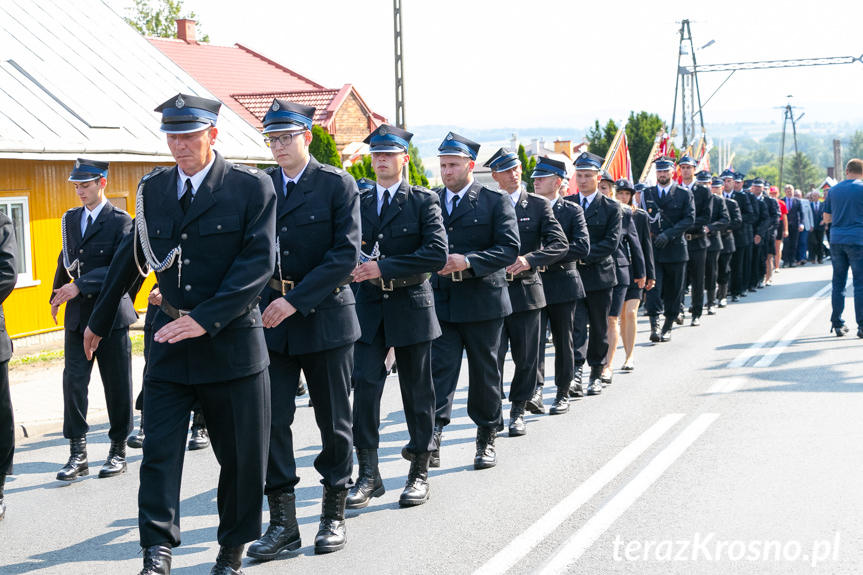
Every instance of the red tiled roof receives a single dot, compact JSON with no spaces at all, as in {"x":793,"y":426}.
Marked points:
{"x":258,"y":104}
{"x":226,"y":70}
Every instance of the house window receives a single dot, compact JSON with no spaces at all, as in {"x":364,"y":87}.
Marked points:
{"x":18,"y":210}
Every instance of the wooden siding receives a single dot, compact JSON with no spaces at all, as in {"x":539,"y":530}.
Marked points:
{"x":49,"y":195}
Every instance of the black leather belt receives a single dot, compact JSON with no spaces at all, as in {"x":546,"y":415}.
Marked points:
{"x":399,"y":282}
{"x":462,"y":275}
{"x":171,"y":311}
{"x":690,"y":237}
{"x":560,"y":267}
{"x":521,"y":275}
{"x":286,"y":285}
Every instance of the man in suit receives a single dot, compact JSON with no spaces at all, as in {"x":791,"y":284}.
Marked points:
{"x":310,"y":325}
{"x":561,"y":282}
{"x":719,"y":222}
{"x":741,"y":260}
{"x":720,"y":187}
{"x":91,"y":235}
{"x":603,"y":218}
{"x":206,"y":227}
{"x":761,"y":238}
{"x":672,"y":212}
{"x":471,"y":295}
{"x":808,"y":224}
{"x":795,"y":226}
{"x":8,"y":277}
{"x":395,"y":307}
{"x":697,"y":241}
{"x":816,"y":234}
{"x":542,"y":244}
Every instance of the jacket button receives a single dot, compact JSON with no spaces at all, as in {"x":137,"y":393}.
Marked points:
{"x":449,"y":229}
{"x":284,"y":229}
{"x":451,"y":246}
{"x":475,"y":221}
{"x":404,"y":229}
{"x":383,"y":256}
{"x":158,"y":232}
{"x":186,"y":261}
{"x":184,"y":236}
{"x":286,"y":252}
{"x":380,"y":236}
{"x":80,"y":251}
{"x":219,"y":226}
{"x":188,"y":287}
{"x":90,"y":296}
{"x":311,"y":217}
{"x":312,"y":310}
{"x":253,"y":321}
{"x":217,"y":324}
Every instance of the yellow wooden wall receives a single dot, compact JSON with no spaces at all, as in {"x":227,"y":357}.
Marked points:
{"x":50,"y":195}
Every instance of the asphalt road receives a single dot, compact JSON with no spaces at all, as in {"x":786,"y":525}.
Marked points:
{"x":732,"y":449}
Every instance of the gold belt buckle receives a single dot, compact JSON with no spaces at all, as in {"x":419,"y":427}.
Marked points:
{"x":386,"y":285}
{"x":183,"y":312}
{"x":287,"y":285}
{"x":510,"y":277}
{"x":456,"y":276}
{"x":541,"y":269}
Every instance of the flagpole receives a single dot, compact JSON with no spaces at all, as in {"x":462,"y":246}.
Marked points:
{"x":612,"y":149}
{"x":651,"y":155}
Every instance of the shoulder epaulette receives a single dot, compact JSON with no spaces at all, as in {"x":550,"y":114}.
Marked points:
{"x":250,"y":170}
{"x":155,"y":172}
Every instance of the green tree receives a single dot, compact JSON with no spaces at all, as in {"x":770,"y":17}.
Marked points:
{"x":323,"y":147}
{"x":800,"y":172}
{"x":854,"y":150}
{"x":527,"y":165}
{"x":599,"y":139}
{"x":416,"y":169}
{"x":159,"y":20}
{"x":641,"y":130}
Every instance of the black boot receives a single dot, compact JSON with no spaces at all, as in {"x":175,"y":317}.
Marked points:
{"x":116,"y":462}
{"x":157,"y":560}
{"x":655,"y":335}
{"x":535,"y":404}
{"x":417,"y":487}
{"x":561,"y":402}
{"x":485,"y":456}
{"x":516,"y":419}
{"x":229,"y":561}
{"x":77,"y":464}
{"x":136,"y":438}
{"x":331,"y":532}
{"x":2,"y":498}
{"x":594,"y":384}
{"x":434,"y":456}
{"x":369,"y":483}
{"x":283,"y":534}
{"x":301,"y":388}
{"x":200,"y":438}
{"x":575,"y":388}
{"x":666,"y":330}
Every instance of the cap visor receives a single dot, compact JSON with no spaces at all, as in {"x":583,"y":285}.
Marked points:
{"x":185,"y":128}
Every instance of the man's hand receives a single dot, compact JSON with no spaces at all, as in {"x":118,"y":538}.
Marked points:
{"x":155,"y":296}
{"x":91,"y":342}
{"x":179,"y":329}
{"x":54,"y":310}
{"x":784,"y":233}
{"x":519,"y":266}
{"x":650,"y":284}
{"x":661,"y":240}
{"x":366,"y":271}
{"x":64,"y":294}
{"x":278,"y":311}
{"x":800,"y":227}
{"x":454,"y":263}
{"x":757,"y":239}
{"x":640,"y":282}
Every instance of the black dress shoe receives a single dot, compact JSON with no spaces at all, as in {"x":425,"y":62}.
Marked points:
{"x":606,"y":379}
{"x":860,"y":332}
{"x":369,"y":484}
{"x":283,"y":533}
{"x":516,"y":419}
{"x":561,"y":402}
{"x":696,"y":321}
{"x":735,"y":298}
{"x":229,"y":561}
{"x":434,"y":456}
{"x":711,"y":310}
{"x":840,"y":330}
{"x":302,"y":389}
{"x":77,"y":464}
{"x":679,"y":319}
{"x":157,"y":560}
{"x":2,"y":498}
{"x":666,"y":331}
{"x":116,"y":462}
{"x":416,"y":490}
{"x":723,"y":303}
{"x":594,"y":385}
{"x":331,"y":534}
{"x":485,"y":455}
{"x":535,"y":405}
{"x":200,"y":439}
{"x":655,"y":335}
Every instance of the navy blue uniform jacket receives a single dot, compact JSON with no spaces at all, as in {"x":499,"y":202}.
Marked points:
{"x":412,"y":241}
{"x":482,"y":227}
{"x":227,"y":242}
{"x":318,"y":227}
{"x":564,"y":285}
{"x":603,"y":219}
{"x":676,"y":213}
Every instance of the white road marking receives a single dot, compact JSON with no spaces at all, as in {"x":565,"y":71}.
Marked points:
{"x":614,"y":508}
{"x":519,"y":547}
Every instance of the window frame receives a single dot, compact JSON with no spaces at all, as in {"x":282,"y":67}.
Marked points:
{"x":25,"y":279}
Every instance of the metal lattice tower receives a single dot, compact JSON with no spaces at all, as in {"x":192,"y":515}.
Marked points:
{"x":686,"y":88}
{"x":399,"y":53}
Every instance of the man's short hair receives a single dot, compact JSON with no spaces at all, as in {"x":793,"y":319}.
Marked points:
{"x":854,"y":166}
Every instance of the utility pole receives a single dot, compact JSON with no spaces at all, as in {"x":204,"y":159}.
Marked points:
{"x":687,"y":88}
{"x":837,"y":161}
{"x":399,"y":54}
{"x":789,"y":115}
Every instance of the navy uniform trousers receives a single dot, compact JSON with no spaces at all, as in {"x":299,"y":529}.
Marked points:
{"x":8,"y":277}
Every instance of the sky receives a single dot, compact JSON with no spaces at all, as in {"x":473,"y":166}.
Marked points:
{"x":484,"y":64}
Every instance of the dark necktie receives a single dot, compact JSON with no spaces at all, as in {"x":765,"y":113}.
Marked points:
{"x":186,"y":198}
{"x":455,"y":200}
{"x":584,"y":204}
{"x":289,"y":187}
{"x":89,"y":223}
{"x":385,"y":204}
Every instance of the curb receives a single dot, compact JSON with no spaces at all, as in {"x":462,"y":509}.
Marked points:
{"x":34,"y":429}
